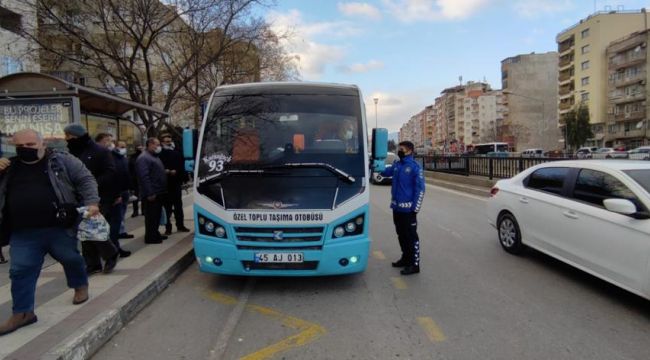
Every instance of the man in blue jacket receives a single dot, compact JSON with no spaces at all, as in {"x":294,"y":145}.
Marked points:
{"x":407,"y":195}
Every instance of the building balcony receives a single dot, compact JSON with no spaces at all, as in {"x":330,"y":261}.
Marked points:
{"x":565,"y":47}
{"x":628,"y":80}
{"x":565,"y":90}
{"x":622,"y":134}
{"x":627,"y":62}
{"x":565,"y":76}
{"x":623,"y":99}
{"x":627,"y":116}
{"x":565,"y":63}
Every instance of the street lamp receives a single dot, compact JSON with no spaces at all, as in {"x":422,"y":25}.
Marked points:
{"x":376,"y":100}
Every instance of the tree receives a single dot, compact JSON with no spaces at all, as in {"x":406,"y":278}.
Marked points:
{"x":578,"y":129}
{"x":391,"y":145}
{"x":162,"y":52}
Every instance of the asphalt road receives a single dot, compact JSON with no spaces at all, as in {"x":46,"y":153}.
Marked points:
{"x":471,"y":301}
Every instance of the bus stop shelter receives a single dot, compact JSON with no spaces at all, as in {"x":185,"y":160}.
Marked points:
{"x":47,"y":104}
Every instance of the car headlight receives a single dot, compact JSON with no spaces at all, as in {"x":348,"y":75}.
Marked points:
{"x":338,"y":231}
{"x":211,"y":228}
{"x":350,"y":227}
{"x":220,"y":232}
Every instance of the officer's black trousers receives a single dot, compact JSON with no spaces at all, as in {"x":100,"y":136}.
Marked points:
{"x":406,"y":225}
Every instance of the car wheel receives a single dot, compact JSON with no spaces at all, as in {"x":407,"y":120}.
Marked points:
{"x":509,"y":234}
{"x":378,"y":179}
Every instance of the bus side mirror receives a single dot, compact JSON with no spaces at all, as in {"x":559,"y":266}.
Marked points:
{"x":379,"y":148}
{"x":190,"y":137}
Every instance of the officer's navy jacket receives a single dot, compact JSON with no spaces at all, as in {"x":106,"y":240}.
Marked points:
{"x":408,"y":185}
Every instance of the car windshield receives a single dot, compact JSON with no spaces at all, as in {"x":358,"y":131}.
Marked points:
{"x":642,"y":177}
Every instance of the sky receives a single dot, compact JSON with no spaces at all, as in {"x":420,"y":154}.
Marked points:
{"x":404,"y":52}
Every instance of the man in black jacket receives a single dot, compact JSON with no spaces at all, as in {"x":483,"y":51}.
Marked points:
{"x":100,"y":163}
{"x":153,"y":187}
{"x":122,"y":186}
{"x":175,"y":169}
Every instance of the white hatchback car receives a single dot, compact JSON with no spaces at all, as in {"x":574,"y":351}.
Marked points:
{"x":591,"y":214}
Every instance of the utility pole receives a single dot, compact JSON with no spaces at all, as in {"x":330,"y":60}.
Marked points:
{"x":376,"y":101}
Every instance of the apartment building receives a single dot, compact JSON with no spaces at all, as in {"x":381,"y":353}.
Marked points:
{"x":16,"y":53}
{"x":583,"y":65}
{"x":627,"y":118}
{"x":529,"y":84}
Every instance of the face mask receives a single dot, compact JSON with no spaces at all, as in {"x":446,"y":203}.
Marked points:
{"x":401,"y":154}
{"x":122,"y":151}
{"x":171,"y":146}
{"x":111,"y":146}
{"x":158,"y":150}
{"x":26,"y":154}
{"x":77,"y":145}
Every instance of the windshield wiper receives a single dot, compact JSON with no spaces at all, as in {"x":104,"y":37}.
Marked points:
{"x":338,"y":172}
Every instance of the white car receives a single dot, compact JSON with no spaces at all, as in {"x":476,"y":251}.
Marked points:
{"x":585,"y":152}
{"x":640,"y":153}
{"x":609,"y":153}
{"x":533,"y":153}
{"x":592,"y":214}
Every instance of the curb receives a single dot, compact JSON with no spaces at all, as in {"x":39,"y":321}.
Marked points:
{"x":91,"y":337}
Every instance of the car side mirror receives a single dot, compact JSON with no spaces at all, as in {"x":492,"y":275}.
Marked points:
{"x":620,"y":206}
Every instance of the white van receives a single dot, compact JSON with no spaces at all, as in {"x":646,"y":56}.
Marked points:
{"x":532,"y":153}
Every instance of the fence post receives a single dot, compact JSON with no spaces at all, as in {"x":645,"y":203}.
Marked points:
{"x":490,"y":168}
{"x":467,"y":159}
{"x":521,"y":165}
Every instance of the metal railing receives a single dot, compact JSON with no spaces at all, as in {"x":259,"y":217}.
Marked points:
{"x":491,"y":167}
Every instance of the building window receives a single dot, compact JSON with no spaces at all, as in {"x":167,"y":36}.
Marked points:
{"x":10,"y":20}
{"x":585,"y":96}
{"x":585,"y":65}
{"x":585,"y":81}
{"x":585,"y":33}
{"x":585,"y":49}
{"x":9,"y":65}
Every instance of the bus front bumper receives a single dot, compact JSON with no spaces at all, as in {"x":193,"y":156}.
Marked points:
{"x":336,"y":257}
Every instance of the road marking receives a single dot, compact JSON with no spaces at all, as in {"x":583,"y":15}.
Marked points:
{"x":308,"y":331}
{"x":457,"y":192}
{"x":431,"y":329}
{"x":233,"y":319}
{"x":379,"y":255}
{"x":398,"y":283}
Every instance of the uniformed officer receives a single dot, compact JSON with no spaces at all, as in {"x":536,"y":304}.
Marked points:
{"x":406,"y":199}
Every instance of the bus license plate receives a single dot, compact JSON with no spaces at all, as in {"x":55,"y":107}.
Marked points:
{"x":279,"y":258}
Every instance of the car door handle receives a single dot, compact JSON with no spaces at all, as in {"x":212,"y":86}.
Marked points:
{"x":523,"y":200}
{"x":570,"y":215}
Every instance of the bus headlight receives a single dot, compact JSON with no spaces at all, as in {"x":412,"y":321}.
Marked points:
{"x":209,"y":226}
{"x":220,"y":232}
{"x":353,"y":226}
{"x":338,"y":232}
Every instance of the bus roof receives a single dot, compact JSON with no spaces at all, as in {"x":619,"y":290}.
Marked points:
{"x":294,"y":88}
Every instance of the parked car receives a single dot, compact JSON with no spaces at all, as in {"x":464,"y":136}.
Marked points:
{"x":376,"y":177}
{"x":585,"y":152}
{"x":640,"y":153}
{"x":609,"y":153}
{"x":590,"y":214}
{"x":532,"y":153}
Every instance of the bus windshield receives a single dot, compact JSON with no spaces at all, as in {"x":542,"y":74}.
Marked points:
{"x":255,"y":143}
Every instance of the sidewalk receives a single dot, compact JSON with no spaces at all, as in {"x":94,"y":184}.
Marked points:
{"x":66,"y":331}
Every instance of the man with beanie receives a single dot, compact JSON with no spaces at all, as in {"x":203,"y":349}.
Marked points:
{"x":174,"y":164}
{"x":153,"y":186}
{"x":407,"y":194}
{"x":39,"y":192}
{"x":100,"y":163}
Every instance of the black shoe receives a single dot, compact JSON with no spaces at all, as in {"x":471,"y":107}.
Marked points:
{"x":183,"y":229}
{"x":168,"y":231}
{"x":135,"y":215}
{"x":110,"y":264}
{"x":126,"y":236}
{"x":125,"y":253}
{"x":93,"y":270}
{"x":163,"y":237}
{"x":400,"y":263}
{"x":409,"y":270}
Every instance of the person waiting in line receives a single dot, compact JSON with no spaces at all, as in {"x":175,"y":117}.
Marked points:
{"x":121,"y":149}
{"x":173,"y":161}
{"x":39,"y":192}
{"x":100,"y":162}
{"x":153,"y":188}
{"x":137,"y":203}
{"x":407,"y":194}
{"x":122,"y":187}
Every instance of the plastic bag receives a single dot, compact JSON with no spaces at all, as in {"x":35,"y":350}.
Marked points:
{"x":93,"y":228}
